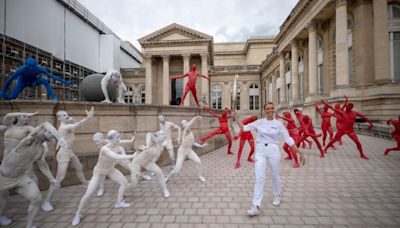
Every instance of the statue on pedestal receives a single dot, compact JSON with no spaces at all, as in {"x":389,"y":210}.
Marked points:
{"x":113,"y":76}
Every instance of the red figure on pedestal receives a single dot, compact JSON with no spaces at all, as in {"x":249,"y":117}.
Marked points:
{"x":395,"y":134}
{"x":326,"y":123}
{"x":349,"y":117}
{"x":223,"y":127}
{"x":295,"y":134}
{"x":191,"y":84}
{"x":299,"y":116}
{"x":243,"y":137}
{"x":339,"y":118}
{"x":310,"y":132}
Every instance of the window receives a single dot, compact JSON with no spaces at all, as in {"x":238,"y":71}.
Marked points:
{"x":237,"y":98}
{"x":301,"y":77}
{"x":288,"y":80}
{"x":350,"y":47}
{"x":129,"y":95}
{"x":395,"y":55}
{"x":394,"y":12}
{"x":278,"y":96}
{"x":254,"y":97}
{"x":143,"y":94}
{"x":320,"y":65}
{"x":216,"y":98}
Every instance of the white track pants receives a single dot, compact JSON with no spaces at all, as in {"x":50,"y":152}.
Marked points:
{"x":263,"y":154}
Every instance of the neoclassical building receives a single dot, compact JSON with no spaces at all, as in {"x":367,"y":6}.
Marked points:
{"x":325,"y":49}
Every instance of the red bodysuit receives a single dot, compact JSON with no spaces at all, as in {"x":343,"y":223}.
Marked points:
{"x":245,"y":136}
{"x":295,"y":134}
{"x":395,"y":134}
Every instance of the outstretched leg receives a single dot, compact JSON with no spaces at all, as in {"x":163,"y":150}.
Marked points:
{"x":229,"y":138}
{"x":194,"y":93}
{"x":123,"y":183}
{"x":76,"y":164}
{"x":179,"y":163}
{"x":46,"y":84}
{"x":286,"y":149}
{"x":31,"y":192}
{"x":337,"y":136}
{"x":152,"y":167}
{"x":215,"y":132}
{"x":4,"y":221}
{"x":324,"y":134}
{"x":16,"y":90}
{"x":184,"y":95}
{"x":251,"y":142}
{"x":319,"y":146}
{"x":193,"y":156}
{"x":61,"y":172}
{"x":241,"y":144}
{"x":354,"y":137}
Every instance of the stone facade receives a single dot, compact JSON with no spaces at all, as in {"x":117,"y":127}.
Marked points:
{"x":324,"y":50}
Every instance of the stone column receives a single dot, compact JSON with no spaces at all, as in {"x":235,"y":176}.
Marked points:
{"x":342,"y":55}
{"x":295,"y":72}
{"x":381,"y":42}
{"x":186,"y":69}
{"x":226,"y":95}
{"x":244,"y":96}
{"x":166,"y":81}
{"x":312,"y":59}
{"x":204,"y":82}
{"x":273,"y":98}
{"x":282,"y":76}
{"x":149,"y":80}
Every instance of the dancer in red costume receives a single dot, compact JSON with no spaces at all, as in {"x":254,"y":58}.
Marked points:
{"x":299,"y":116}
{"x":395,"y":134}
{"x":339,"y":118}
{"x":191,"y":84}
{"x":295,"y":134}
{"x":223,"y":127}
{"x":310,"y":132}
{"x":349,"y":117}
{"x":326,"y":123}
{"x":245,"y":135}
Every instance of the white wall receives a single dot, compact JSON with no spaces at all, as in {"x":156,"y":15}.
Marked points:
{"x":39,"y":23}
{"x":82,"y":42}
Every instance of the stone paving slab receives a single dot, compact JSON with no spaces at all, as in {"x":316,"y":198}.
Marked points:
{"x":341,"y":190}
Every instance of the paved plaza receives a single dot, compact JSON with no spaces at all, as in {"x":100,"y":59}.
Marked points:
{"x":340,"y":190}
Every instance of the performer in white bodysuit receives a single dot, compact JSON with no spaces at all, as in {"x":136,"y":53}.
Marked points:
{"x":147,"y":160}
{"x":105,"y":166}
{"x":13,"y":170}
{"x":100,"y":141}
{"x":115,"y":77}
{"x":66,"y":154}
{"x":165,"y":128}
{"x":185,"y":150}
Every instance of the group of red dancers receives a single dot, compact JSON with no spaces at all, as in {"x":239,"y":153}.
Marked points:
{"x":345,"y":119}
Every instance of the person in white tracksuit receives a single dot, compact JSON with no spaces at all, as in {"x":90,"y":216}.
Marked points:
{"x":267,"y":149}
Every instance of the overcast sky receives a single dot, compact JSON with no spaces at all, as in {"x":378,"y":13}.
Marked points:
{"x":225,"y":20}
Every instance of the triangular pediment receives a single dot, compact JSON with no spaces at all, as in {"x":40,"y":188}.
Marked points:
{"x":174,"y":32}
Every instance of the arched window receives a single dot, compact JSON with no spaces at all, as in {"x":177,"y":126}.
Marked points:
{"x":394,"y":41}
{"x":320,"y":60}
{"x":129,"y":95}
{"x":143,"y":94}
{"x":254,"y":97}
{"x":301,"y":75}
{"x":350,"y":47}
{"x":237,"y":98}
{"x":216,"y":98}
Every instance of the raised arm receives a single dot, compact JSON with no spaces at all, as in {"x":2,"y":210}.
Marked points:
{"x":45,"y":72}
{"x":179,"y":76}
{"x":200,"y":145}
{"x":281,"y":117}
{"x":330,"y":106}
{"x":179,"y":131}
{"x":345,"y":102}
{"x":211,"y":112}
{"x":192,"y":121}
{"x":203,"y":76}
{"x":44,"y":168}
{"x":317,"y":108}
{"x":238,"y":122}
{"x":127,"y":141}
{"x":89,"y":114}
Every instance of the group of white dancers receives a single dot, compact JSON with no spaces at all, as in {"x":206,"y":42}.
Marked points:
{"x":25,"y":145}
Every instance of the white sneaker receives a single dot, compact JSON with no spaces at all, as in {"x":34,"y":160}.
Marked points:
{"x":47,"y":207}
{"x":276,"y":202}
{"x":166,"y":193}
{"x":100,"y":192}
{"x":253,"y":211}
{"x":76,"y":220}
{"x":4,"y":221}
{"x":202,"y":179}
{"x":122,"y":204}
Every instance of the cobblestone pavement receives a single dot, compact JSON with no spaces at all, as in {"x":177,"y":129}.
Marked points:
{"x":341,"y":190}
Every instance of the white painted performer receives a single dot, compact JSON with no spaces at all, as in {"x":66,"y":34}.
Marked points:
{"x":100,"y":141}
{"x":267,"y":149}
{"x":17,"y":129}
{"x":115,"y":77}
{"x":105,"y":166}
{"x":66,"y":154}
{"x":147,"y":159}
{"x":185,"y":150}
{"x":165,"y":128}
{"x":14,"y":166}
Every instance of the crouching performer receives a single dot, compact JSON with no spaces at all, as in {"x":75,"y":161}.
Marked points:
{"x":147,"y":160}
{"x":185,"y":150}
{"x":106,"y":167}
{"x":14,"y":166}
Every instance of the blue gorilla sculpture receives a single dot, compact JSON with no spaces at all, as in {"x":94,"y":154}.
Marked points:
{"x":29,"y":75}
